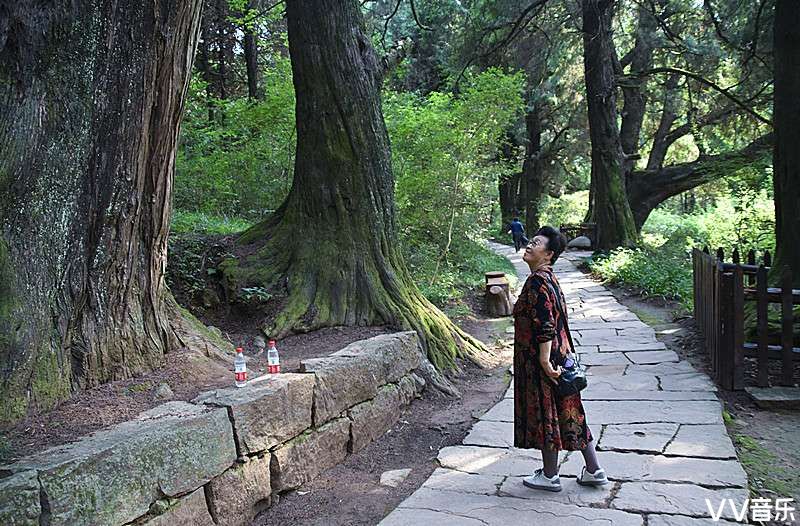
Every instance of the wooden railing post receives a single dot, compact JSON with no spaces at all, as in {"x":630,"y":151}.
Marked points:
{"x":723,"y":365}
{"x":761,"y":313}
{"x":787,"y":336}
{"x":737,"y":352}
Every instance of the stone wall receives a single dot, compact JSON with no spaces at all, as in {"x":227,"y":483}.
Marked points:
{"x":222,"y":458}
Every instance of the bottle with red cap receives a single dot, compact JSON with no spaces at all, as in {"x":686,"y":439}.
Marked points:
{"x":240,"y":368}
{"x":273,"y":360}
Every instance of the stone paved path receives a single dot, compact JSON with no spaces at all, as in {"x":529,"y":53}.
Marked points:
{"x":661,"y":440}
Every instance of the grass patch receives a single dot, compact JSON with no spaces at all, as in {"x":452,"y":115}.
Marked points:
{"x":663,"y":272}
{"x":764,"y":468}
{"x":202,"y":223}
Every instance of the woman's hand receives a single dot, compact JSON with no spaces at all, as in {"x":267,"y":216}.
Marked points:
{"x":553,"y":374}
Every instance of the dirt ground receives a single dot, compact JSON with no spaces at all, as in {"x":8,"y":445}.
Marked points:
{"x":350,"y":493}
{"x":767,"y":441}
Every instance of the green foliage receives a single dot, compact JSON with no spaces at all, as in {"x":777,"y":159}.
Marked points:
{"x":236,"y":156}
{"x":665,"y":273}
{"x":567,"y":209}
{"x":203,"y":223}
{"x":764,"y":469}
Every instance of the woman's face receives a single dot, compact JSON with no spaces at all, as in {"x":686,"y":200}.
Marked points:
{"x":536,"y":253}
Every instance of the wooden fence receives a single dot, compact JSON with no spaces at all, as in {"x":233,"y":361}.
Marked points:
{"x":720,"y":292}
{"x":572,"y":231}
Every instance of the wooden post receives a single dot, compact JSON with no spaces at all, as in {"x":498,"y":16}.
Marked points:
{"x":735,"y":256}
{"x":720,"y":254}
{"x":787,"y":336}
{"x":737,"y":367}
{"x":723,"y":350}
{"x":767,"y":259}
{"x":751,"y":260}
{"x":493,"y":274}
{"x":761,"y":312}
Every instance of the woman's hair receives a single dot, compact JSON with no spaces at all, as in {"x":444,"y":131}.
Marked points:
{"x":556,"y":241}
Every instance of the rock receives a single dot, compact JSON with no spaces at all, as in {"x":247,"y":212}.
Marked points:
{"x":210,"y":298}
{"x":190,"y":510}
{"x":451,"y":480}
{"x":306,"y":456}
{"x":705,"y":440}
{"x":571,"y":494}
{"x":580,"y":242}
{"x":163,"y":392}
{"x":397,"y":354}
{"x":687,"y":499}
{"x":270,"y":410}
{"x":239,"y":494}
{"x":259,"y":342}
{"x":215,"y":331}
{"x":371,"y":419}
{"x":687,"y":382}
{"x":651,"y":438}
{"x":643,"y":412}
{"x":490,"y":460}
{"x":491,"y":434}
{"x":503,"y":411}
{"x":394,"y":478}
{"x":114,"y":475}
{"x":653,"y":357}
{"x":353,"y":374}
{"x":409,"y":388}
{"x":19,"y":500}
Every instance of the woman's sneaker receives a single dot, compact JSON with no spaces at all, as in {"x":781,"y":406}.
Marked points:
{"x":598,"y":478}
{"x":540,"y":481}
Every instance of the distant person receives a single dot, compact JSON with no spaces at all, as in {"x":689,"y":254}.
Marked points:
{"x":544,"y":419}
{"x":517,"y":231}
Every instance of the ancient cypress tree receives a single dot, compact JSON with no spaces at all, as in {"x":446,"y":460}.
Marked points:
{"x":610,"y":208}
{"x":331,"y":248}
{"x":90,"y":100}
{"x":786,"y":154}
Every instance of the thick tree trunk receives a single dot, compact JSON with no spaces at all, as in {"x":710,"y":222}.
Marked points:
{"x":508,"y":188}
{"x":610,"y":208}
{"x":251,"y":63}
{"x":648,"y":189}
{"x":532,"y":172}
{"x":786,"y":155}
{"x":333,"y":242}
{"x":90,"y":102}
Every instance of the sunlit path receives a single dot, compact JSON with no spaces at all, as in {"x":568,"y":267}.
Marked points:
{"x":661,"y":436}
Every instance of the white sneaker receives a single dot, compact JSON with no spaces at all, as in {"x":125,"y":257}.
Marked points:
{"x":539,"y":481}
{"x":598,"y":478}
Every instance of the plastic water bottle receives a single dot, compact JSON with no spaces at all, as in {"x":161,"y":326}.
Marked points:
{"x":240,"y":368}
{"x":273,"y":360}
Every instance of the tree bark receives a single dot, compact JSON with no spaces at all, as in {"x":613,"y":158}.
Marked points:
{"x":509,"y":188}
{"x":532,"y":172}
{"x":333,"y":243}
{"x":647,"y":189}
{"x":91,"y":96}
{"x":250,"y":45}
{"x":610,"y":208}
{"x":786,"y":153}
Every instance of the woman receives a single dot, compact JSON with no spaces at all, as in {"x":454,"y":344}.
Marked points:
{"x":542,"y":419}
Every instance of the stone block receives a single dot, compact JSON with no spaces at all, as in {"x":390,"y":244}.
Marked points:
{"x":704,"y":440}
{"x":353,"y":374}
{"x":395,"y":354}
{"x":371,"y":419}
{"x":571,"y":492}
{"x":600,"y":393}
{"x":189,"y":510}
{"x":243,"y":491}
{"x":270,"y":410}
{"x":643,"y":412}
{"x":408,"y":388}
{"x":687,"y":382}
{"x":19,"y":499}
{"x":306,"y":456}
{"x":653,"y":357}
{"x":491,"y":434}
{"x":114,"y":475}
{"x":451,"y":480}
{"x":651,"y":438}
{"x":490,"y":460}
{"x":683,"y":499}
{"x":616,"y":382}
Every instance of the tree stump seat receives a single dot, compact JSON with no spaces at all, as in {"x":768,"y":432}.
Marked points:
{"x":498,"y":294}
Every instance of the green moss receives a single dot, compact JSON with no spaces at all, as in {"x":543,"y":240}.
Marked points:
{"x":50,"y":382}
{"x":200,"y":327}
{"x":764,"y":469}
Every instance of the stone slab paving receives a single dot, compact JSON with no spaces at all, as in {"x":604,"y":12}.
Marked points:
{"x":657,"y":421}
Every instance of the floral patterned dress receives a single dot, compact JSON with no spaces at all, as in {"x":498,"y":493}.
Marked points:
{"x":543,"y":419}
